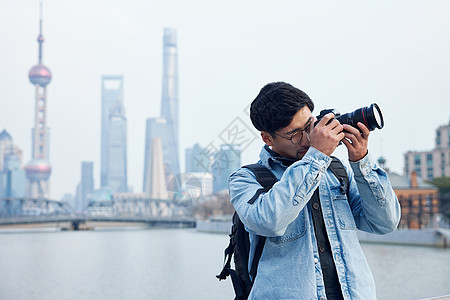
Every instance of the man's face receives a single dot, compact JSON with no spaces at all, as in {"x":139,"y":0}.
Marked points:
{"x":280,"y":140}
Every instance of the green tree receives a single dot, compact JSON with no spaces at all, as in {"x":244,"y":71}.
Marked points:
{"x":443,"y":184}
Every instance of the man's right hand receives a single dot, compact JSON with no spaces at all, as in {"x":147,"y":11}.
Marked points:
{"x":326,"y":137}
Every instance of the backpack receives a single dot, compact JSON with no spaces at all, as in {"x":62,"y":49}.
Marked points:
{"x":239,"y":239}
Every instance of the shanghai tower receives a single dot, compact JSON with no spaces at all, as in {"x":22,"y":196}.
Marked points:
{"x":38,"y":169}
{"x":169,"y":101}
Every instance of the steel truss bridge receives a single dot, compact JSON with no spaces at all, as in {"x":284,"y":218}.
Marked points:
{"x":119,"y":211}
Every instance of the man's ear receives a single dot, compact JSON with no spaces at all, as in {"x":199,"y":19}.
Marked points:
{"x":267,"y":138}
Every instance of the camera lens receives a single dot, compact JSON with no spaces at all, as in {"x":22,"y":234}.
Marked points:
{"x":377,"y":116}
{"x":369,"y":115}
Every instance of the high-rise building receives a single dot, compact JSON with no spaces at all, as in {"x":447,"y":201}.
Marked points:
{"x":12,"y":176}
{"x":7,"y":147}
{"x":226,"y":161}
{"x":155,"y":185}
{"x":169,"y":100}
{"x":117,"y":151}
{"x":86,"y":185}
{"x":433,"y":163}
{"x":166,"y":126}
{"x":197,"y":160}
{"x":156,"y":128}
{"x":38,"y":169}
{"x":114,"y":135}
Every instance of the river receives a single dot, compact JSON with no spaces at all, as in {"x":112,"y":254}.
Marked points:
{"x":174,"y":264}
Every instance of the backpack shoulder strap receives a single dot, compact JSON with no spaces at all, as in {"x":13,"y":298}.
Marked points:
{"x":338,"y":169}
{"x":265,"y":178}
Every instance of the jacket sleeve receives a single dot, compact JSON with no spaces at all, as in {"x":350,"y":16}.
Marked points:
{"x":273,"y":211}
{"x":373,"y":202}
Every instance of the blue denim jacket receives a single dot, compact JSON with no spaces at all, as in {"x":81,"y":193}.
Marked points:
{"x":289,"y":267}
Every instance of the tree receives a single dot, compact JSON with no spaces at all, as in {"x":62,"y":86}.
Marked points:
{"x":443,"y":184}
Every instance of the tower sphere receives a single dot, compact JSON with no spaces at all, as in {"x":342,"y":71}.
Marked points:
{"x":38,"y":169}
{"x":40,"y":74}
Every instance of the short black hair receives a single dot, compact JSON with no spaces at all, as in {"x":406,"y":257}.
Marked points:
{"x":275,"y":106}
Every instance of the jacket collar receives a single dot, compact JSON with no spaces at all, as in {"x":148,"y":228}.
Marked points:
{"x":269,"y":156}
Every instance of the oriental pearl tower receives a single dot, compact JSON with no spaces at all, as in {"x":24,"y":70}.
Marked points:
{"x":38,"y":169}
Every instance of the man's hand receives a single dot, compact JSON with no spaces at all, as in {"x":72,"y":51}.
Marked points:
{"x":325,"y":137}
{"x":356,"y":142}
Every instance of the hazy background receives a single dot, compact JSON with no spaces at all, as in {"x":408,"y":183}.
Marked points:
{"x":344,"y":54}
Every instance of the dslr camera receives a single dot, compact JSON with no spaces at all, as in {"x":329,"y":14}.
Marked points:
{"x":369,"y":115}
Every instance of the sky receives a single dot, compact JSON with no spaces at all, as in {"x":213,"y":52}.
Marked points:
{"x":343,"y":54}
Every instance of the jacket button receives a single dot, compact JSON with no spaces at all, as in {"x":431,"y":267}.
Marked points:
{"x":316,"y":205}
{"x":321,"y":249}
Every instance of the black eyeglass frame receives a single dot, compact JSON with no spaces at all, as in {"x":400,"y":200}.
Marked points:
{"x":295,"y":134}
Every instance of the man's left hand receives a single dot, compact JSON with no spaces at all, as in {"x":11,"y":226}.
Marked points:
{"x":356,"y":142}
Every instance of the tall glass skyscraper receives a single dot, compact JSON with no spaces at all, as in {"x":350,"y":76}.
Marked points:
{"x":86,"y":183}
{"x":114,"y":135}
{"x":169,"y":101}
{"x":166,"y":126}
{"x":12,"y":176}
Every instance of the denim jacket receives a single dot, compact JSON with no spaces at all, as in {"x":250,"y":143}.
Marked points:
{"x":289,"y":267}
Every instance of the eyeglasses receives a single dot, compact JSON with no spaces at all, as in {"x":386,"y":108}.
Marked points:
{"x":297,"y":136}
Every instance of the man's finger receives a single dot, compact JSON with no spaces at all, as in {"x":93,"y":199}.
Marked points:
{"x":365,"y":131}
{"x":325,"y":119}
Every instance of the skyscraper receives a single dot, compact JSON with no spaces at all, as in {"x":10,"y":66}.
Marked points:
{"x":117,"y":150}
{"x":197,"y":160}
{"x":12,"y":176}
{"x":156,"y":128}
{"x":166,"y":126}
{"x":86,"y":185}
{"x":169,"y":100}
{"x":113,"y":137}
{"x":38,"y":169}
{"x":226,"y":161}
{"x":155,"y":184}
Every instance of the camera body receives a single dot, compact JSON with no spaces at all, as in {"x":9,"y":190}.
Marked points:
{"x":370,"y":116}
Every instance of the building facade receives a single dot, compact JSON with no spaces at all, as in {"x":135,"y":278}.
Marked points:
{"x":225,"y":161}
{"x":156,"y":128}
{"x":419,"y":201}
{"x":169,"y":101}
{"x":433,"y":163}
{"x":12,"y":175}
{"x":86,"y":186}
{"x":197,"y":159}
{"x":113,"y":135}
{"x":117,"y":178}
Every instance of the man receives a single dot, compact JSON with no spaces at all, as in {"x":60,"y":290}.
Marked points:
{"x":311,"y":250}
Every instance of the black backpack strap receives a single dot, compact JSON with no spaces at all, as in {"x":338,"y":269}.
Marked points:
{"x":257,"y":256}
{"x":238,"y":287}
{"x":264,"y":177}
{"x":338,"y":169}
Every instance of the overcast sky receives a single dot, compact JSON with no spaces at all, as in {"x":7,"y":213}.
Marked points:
{"x":344,"y":54}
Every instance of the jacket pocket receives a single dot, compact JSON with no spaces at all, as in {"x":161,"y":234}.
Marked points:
{"x":294,"y":230}
{"x":342,"y":211}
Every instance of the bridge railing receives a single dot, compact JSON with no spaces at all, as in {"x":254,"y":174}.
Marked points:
{"x":29,"y":207}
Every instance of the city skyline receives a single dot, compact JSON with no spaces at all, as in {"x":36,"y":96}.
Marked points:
{"x":343,"y":55}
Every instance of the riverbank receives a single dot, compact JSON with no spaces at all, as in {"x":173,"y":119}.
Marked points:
{"x":413,"y":237}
